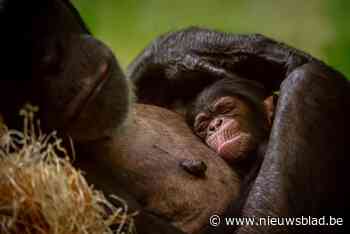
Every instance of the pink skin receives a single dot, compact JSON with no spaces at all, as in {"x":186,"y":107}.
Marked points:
{"x":230,"y":142}
{"x":228,"y":128}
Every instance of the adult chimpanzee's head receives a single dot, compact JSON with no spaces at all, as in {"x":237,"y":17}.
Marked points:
{"x":81,"y":88}
{"x":233,"y":116}
{"x":50,"y":60}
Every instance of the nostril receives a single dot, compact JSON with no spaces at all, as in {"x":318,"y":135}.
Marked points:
{"x":215,"y":124}
{"x":219,"y":122}
{"x":211,"y":127}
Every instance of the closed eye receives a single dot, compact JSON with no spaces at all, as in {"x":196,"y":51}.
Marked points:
{"x":201,"y":128}
{"x":224,"y":108}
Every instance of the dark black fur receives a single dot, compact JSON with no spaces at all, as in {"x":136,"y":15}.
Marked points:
{"x":47,"y":56}
{"x":305,"y":166}
{"x":192,"y":58}
{"x":253,"y":93}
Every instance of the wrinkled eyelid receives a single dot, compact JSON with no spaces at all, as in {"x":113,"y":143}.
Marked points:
{"x":200,"y":125}
{"x":224,"y":101}
{"x":200,"y":117}
{"x":225,"y":106}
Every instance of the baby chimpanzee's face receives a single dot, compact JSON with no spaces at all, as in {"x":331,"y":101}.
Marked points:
{"x":231,"y":127}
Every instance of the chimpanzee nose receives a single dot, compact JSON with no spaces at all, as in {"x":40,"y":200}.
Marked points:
{"x":215,"y":124}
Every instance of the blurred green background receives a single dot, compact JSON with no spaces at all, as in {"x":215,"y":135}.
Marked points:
{"x":319,"y":27}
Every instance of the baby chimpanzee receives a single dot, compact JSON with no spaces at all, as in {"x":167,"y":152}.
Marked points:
{"x":234,"y":118}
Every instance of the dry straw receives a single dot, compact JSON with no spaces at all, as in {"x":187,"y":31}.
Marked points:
{"x":42,"y":193}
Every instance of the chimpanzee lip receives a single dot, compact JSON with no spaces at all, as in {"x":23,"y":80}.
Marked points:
{"x":222,"y":152}
{"x":230,"y":141}
{"x":101,"y":81}
{"x":82,"y":101}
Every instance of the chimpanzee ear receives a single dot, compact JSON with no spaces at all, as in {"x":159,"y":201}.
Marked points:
{"x":269,"y":105}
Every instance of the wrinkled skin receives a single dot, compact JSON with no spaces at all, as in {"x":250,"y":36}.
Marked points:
{"x":139,"y":153}
{"x":228,"y":126}
{"x":233,"y":116}
{"x":228,"y":134}
{"x":304,"y":169}
{"x":81,"y":91}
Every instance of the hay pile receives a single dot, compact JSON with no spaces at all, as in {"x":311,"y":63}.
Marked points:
{"x":41,"y":193}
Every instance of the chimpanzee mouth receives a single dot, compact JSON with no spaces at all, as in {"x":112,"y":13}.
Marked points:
{"x":233,"y":141}
{"x":236,"y":148}
{"x":227,"y":133}
{"x":227,"y":148}
{"x":87,"y":95}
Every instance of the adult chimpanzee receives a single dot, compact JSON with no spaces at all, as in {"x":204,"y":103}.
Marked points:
{"x":81,"y":91}
{"x":49,"y":59}
{"x":44,"y":40}
{"x":303,"y":170}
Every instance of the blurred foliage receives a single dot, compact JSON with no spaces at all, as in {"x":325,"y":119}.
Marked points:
{"x":319,"y":27}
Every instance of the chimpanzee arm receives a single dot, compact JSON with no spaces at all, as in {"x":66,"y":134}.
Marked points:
{"x":190,"y":59}
{"x":305,"y":167}
{"x":304,"y":172}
